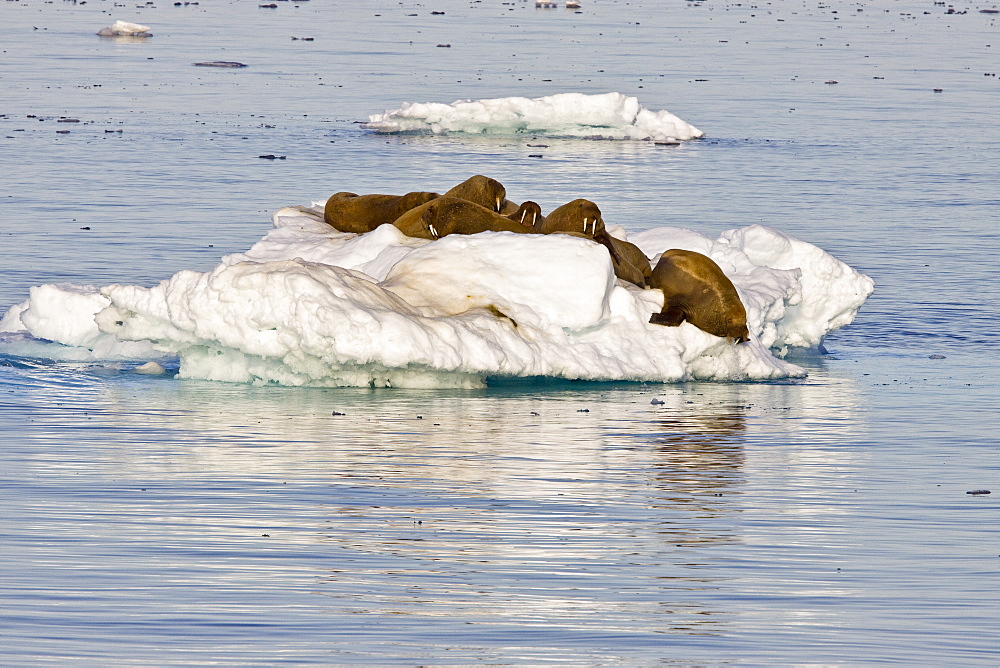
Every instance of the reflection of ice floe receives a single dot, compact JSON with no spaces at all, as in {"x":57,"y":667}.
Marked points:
{"x":605,"y":116}
{"x":125,"y":29}
{"x":308,"y":305}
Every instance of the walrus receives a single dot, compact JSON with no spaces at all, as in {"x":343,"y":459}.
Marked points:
{"x":527,"y":214}
{"x":695,"y":289}
{"x":580,"y":215}
{"x":633,"y":265}
{"x":482,"y":190}
{"x":348,"y":212}
{"x":453,"y":215}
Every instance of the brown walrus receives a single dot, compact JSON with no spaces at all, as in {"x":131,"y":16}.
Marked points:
{"x":633,"y":265}
{"x":348,"y":212}
{"x":695,"y":289}
{"x":527,"y":214}
{"x":482,"y":190}
{"x":453,"y":215}
{"x":580,"y":215}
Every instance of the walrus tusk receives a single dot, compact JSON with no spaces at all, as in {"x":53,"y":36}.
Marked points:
{"x":585,"y":225}
{"x":434,"y":232}
{"x":499,"y":205}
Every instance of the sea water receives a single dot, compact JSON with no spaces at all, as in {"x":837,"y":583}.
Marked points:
{"x":150,"y":520}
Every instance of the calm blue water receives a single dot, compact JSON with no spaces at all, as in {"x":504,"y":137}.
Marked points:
{"x":151,"y":521}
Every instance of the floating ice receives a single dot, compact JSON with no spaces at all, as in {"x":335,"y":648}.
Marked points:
{"x":308,"y":305}
{"x":125,"y":29}
{"x":606,"y":116}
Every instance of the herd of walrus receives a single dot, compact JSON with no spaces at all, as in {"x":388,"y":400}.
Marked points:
{"x":694,"y":287}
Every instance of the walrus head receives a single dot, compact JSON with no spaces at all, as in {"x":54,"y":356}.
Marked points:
{"x":739,"y":334}
{"x":527,"y":214}
{"x":580,"y":216}
{"x":482,"y":190}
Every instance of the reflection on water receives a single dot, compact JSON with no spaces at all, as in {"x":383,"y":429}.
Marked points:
{"x":526,"y":522}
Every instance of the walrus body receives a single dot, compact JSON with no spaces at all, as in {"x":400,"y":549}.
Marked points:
{"x":695,"y":290}
{"x":453,"y":215}
{"x":348,"y":212}
{"x":633,"y":265}
{"x":482,"y":190}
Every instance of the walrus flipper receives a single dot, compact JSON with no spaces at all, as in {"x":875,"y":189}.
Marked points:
{"x":672,"y":316}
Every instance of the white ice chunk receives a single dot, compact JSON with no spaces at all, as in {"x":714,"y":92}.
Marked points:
{"x":831,"y":291}
{"x":307,"y":305}
{"x":606,"y":116}
{"x":125,"y":29}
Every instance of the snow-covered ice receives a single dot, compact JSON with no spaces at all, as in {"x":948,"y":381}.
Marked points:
{"x":604,"y":116}
{"x":125,"y":29}
{"x":308,"y":305}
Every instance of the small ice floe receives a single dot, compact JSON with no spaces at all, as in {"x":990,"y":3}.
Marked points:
{"x":601,"y":116}
{"x":572,"y":4}
{"x":150,"y":369}
{"x":125,"y":29}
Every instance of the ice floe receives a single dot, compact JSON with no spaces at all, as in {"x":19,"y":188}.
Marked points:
{"x":604,"y":116}
{"x":125,"y":29}
{"x":308,"y":305}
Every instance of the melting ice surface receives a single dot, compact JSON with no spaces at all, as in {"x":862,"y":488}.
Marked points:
{"x":308,"y":305}
{"x":606,"y":116}
{"x":125,"y":29}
